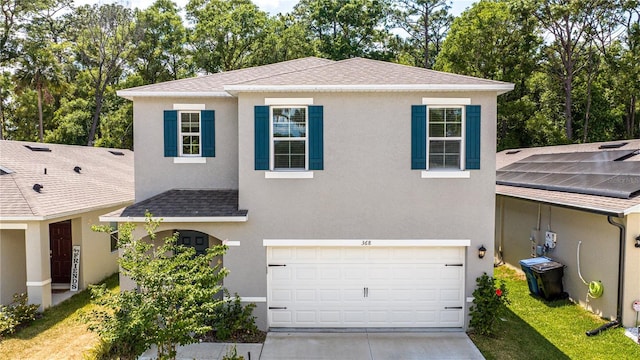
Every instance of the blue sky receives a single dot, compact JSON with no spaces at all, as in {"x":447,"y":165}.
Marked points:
{"x":271,"y":6}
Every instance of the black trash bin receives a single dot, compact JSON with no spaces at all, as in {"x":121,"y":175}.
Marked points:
{"x":549,"y":278}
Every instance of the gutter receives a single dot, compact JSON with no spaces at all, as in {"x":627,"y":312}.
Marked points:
{"x":621,"y":256}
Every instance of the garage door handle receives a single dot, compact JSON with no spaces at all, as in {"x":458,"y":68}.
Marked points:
{"x":453,"y":307}
{"x":453,"y":264}
{"x":270,"y":265}
{"x":277,"y":308}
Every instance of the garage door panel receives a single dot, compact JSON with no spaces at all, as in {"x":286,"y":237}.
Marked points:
{"x":360,"y":287}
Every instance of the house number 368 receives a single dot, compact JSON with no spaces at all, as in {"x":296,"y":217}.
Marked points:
{"x":366,"y":243}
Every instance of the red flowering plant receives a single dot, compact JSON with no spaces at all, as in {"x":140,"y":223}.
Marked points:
{"x":489,"y":301}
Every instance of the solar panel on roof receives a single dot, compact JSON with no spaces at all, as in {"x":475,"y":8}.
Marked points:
{"x":592,"y":173}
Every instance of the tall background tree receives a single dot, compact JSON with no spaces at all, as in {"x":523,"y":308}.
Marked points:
{"x":426,"y":22}
{"x":104,"y":39}
{"x":226,"y":33}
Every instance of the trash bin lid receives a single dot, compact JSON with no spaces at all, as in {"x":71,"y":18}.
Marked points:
{"x":546,"y":266}
{"x":532,"y":261}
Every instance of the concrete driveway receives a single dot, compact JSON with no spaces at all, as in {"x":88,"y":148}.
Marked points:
{"x":368,"y":346}
{"x":340,"y":346}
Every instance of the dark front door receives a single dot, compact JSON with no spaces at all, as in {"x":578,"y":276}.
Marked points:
{"x":60,"y":242}
{"x":194,"y":239}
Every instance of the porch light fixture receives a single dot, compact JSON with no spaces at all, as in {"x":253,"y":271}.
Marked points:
{"x":481,"y":251}
{"x":638,"y":241}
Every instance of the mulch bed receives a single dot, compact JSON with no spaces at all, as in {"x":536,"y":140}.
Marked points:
{"x":239,"y":337}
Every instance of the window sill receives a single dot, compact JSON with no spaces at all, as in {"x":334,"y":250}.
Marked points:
{"x":288,"y":175}
{"x":189,"y":160}
{"x":451,"y":174}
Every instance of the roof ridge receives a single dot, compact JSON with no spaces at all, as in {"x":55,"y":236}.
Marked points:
{"x":24,"y":197}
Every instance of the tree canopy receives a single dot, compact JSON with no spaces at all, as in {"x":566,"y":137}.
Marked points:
{"x":575,"y":63}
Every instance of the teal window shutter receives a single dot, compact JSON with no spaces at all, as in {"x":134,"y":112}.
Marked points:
{"x":170,"y":133}
{"x":418,"y":137}
{"x":208,"y":119}
{"x":472,"y":134}
{"x":261,"y":137}
{"x":316,"y":138}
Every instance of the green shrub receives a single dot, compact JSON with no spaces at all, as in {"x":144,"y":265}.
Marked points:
{"x":488,"y":303}
{"x":17,"y":313}
{"x":231,"y":319}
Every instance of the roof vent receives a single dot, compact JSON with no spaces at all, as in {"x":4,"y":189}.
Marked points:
{"x":117,"y":153}
{"x":37,"y":187}
{"x":77,"y":169}
{"x":38,"y":148}
{"x":612,"y":146}
{"x":513,"y":152}
{"x":5,"y":171}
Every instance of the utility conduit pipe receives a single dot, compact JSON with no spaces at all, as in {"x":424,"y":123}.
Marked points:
{"x":621,"y":255}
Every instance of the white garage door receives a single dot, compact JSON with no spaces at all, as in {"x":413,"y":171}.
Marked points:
{"x":365,"y":286}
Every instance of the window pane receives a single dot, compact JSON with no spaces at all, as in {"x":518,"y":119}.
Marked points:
{"x":189,"y":122}
{"x":289,"y":154}
{"x":444,"y":154}
{"x":436,"y":115}
{"x":289,"y":122}
{"x":436,"y":130}
{"x":436,"y":146}
{"x":454,"y":130}
{"x":454,"y":115}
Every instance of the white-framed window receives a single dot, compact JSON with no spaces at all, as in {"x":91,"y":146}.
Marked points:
{"x":289,"y":141}
{"x":445,"y":135}
{"x":189,"y":133}
{"x":113,"y":236}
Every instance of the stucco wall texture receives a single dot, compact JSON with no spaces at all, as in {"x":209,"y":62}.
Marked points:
{"x":367,"y":189}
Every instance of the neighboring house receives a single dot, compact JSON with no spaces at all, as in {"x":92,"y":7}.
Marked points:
{"x":351,"y":193}
{"x":587,"y":193}
{"x":50,"y":196}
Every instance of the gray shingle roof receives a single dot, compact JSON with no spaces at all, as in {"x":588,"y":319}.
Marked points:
{"x":314,"y":74}
{"x":104,"y":180}
{"x":593,"y":203}
{"x":188,"y":203}
{"x":213,"y":85}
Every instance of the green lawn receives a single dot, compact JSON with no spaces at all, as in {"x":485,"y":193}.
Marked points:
{"x":59,"y":334}
{"x":536,"y":329}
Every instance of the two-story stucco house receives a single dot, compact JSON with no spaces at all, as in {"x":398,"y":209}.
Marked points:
{"x":351,"y":193}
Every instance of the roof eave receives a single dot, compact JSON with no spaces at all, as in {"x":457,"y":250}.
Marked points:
{"x":130,"y":95}
{"x":498,"y":88}
{"x":600,"y":211}
{"x":191,"y":219}
{"x":64,"y":213}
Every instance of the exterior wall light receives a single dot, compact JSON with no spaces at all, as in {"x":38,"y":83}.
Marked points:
{"x":481,"y":251}
{"x":638,"y":241}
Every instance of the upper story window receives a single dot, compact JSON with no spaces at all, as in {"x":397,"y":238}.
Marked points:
{"x":445,"y":137}
{"x":445,"y":147}
{"x":189,"y":133}
{"x":289,"y":138}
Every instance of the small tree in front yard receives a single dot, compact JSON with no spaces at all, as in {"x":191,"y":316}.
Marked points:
{"x":489,"y":301}
{"x":175,"y":295}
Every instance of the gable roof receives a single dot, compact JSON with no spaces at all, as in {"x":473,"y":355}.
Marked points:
{"x":104,"y":179}
{"x":591,"y":199}
{"x":315,"y":74}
